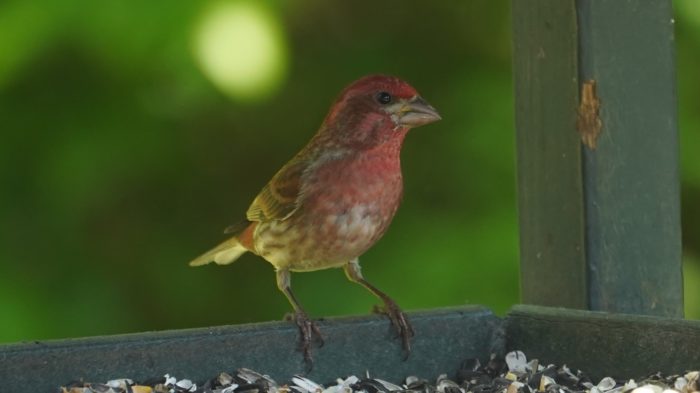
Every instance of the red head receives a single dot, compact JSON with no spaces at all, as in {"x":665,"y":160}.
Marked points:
{"x":376,"y":108}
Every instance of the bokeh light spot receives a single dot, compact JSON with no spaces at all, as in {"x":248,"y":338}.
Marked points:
{"x":240,"y":47}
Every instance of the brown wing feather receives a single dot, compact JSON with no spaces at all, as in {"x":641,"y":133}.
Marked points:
{"x":279,"y":199}
{"x":237,"y":227}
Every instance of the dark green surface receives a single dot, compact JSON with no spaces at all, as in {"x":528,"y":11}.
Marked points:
{"x":600,"y":344}
{"x":632,"y":182}
{"x":444,"y":338}
{"x":603,"y":344}
{"x":624,"y":194}
{"x":552,"y":260}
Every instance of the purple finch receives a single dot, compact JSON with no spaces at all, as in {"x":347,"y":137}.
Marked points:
{"x":336,"y":197}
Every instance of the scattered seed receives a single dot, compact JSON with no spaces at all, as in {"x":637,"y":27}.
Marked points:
{"x":510,"y":374}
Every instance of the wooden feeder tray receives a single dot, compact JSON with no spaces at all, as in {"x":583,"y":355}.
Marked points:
{"x":600,"y":344}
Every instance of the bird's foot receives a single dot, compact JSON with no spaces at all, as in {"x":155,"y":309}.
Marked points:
{"x":308,"y":331}
{"x":400,"y":323}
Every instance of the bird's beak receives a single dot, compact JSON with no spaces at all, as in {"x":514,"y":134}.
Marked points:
{"x":417,"y":112}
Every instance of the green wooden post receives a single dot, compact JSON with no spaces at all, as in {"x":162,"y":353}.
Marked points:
{"x":549,"y":156}
{"x":600,"y":224}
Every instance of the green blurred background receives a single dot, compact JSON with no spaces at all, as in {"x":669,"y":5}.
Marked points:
{"x":133,"y":132}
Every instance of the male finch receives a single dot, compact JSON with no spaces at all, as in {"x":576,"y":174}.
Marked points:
{"x":336,"y":197}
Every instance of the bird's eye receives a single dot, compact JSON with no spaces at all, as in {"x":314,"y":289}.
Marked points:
{"x":384,"y":97}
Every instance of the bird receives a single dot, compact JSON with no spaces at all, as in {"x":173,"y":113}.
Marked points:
{"x":335,"y":198}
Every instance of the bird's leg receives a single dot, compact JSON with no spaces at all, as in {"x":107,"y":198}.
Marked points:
{"x":307,"y":328}
{"x":391,"y":309}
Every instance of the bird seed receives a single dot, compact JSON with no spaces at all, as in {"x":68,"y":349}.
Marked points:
{"x":510,"y":374}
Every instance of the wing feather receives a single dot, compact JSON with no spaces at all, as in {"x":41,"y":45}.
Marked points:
{"x":279,"y":199}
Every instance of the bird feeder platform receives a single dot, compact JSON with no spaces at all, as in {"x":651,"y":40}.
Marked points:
{"x":602,"y":344}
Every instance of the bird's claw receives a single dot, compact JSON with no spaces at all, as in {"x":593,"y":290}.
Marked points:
{"x":308,"y":331}
{"x":400,"y":323}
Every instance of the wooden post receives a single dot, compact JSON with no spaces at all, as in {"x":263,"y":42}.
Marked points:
{"x":552,"y":270}
{"x":600,"y":221}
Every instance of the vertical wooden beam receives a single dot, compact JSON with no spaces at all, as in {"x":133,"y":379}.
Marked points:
{"x":550,"y":201}
{"x":600,"y":227}
{"x":632,"y":198}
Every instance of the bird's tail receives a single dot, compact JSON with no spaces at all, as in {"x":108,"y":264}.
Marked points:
{"x":223,"y":254}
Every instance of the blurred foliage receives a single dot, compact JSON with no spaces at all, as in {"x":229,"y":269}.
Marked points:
{"x":687,"y":22}
{"x":121,"y":161}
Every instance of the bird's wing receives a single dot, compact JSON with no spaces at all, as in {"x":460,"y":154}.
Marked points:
{"x":237,"y":228}
{"x":279,"y":199}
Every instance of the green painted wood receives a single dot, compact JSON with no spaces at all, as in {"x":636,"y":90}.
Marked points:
{"x":600,"y":228}
{"x":604,"y":344}
{"x":632,"y":202}
{"x":550,"y":201}
{"x":601,"y":344}
{"x":444,"y":338}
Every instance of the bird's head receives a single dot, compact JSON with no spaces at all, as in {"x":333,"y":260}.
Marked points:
{"x":376,"y":108}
